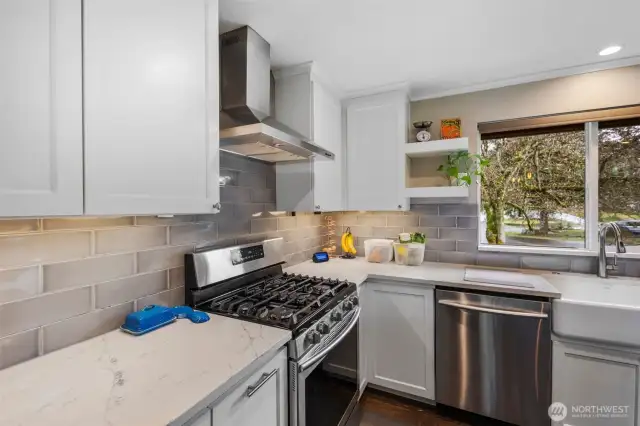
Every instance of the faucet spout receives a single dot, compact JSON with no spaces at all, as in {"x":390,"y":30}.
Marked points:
{"x":603,"y":268}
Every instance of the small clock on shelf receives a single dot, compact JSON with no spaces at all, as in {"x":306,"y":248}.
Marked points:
{"x":422,"y":131}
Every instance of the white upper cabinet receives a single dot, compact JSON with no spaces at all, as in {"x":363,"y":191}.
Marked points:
{"x":376,"y":134}
{"x":40,"y":107}
{"x":151,"y":106}
{"x":307,"y":105}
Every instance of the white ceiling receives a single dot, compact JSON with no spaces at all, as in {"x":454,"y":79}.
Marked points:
{"x":441,"y":47}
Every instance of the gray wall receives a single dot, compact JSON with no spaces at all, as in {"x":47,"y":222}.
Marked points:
{"x":64,"y":280}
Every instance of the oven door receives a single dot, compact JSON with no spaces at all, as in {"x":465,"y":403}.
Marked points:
{"x":323,"y":384}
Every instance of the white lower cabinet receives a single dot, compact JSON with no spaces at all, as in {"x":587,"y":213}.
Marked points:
{"x":262,"y":399}
{"x":593,"y":381}
{"x":398,"y":337}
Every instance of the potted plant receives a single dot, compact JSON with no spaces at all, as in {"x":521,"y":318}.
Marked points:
{"x":461,"y":167}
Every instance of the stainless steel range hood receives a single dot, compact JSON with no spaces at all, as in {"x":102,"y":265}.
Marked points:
{"x":246,"y":127}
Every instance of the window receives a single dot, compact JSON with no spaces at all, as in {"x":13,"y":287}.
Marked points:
{"x":619,"y":179}
{"x":551,"y":184}
{"x":533,"y":192}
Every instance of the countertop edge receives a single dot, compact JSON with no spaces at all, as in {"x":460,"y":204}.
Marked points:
{"x":470,"y":286}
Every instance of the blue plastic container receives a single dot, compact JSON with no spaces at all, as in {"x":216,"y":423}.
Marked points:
{"x":148,"y":319}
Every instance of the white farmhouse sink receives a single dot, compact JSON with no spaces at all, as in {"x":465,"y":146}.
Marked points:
{"x":603,"y":310}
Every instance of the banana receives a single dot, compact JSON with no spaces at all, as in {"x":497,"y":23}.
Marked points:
{"x":347,"y":242}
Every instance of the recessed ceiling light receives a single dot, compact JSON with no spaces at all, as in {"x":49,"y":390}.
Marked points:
{"x":610,"y":50}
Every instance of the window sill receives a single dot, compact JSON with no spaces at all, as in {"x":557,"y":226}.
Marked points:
{"x":538,"y":250}
{"x":553,"y":251}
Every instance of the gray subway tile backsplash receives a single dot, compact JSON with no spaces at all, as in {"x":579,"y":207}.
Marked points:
{"x":32,"y":249}
{"x":467,"y":222}
{"x":73,"y":330}
{"x":42,"y":310}
{"x":549,"y":263}
{"x":438,"y":221}
{"x":64,"y":280}
{"x":458,"y":210}
{"x":129,"y":239}
{"x":80,"y":273}
{"x":498,"y":260}
{"x":459,"y":234}
{"x":18,"y":226}
{"x":18,"y":348}
{"x":16,"y":284}
{"x":193,"y":233}
{"x":131,"y":288}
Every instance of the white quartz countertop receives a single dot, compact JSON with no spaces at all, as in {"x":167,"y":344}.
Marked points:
{"x":429,"y":273}
{"x":121,"y":380}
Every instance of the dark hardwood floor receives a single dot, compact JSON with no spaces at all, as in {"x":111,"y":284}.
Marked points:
{"x":381,"y":409}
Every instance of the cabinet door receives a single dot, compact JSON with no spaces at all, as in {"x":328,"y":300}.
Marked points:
{"x":151,"y":106}
{"x":400,"y":338}
{"x":41,"y":107}
{"x":328,"y":176}
{"x":586,"y":376}
{"x":260,"y":400}
{"x":308,"y":107}
{"x":376,"y":128}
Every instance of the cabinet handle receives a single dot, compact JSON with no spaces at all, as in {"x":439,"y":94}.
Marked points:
{"x":317,"y":207}
{"x":264,"y":379}
{"x":399,"y":206}
{"x":217,"y":206}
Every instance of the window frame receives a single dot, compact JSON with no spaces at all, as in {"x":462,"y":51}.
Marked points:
{"x":591,"y":208}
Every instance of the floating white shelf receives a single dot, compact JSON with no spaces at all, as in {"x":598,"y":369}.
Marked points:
{"x":437,"y":192}
{"x":437,"y":147}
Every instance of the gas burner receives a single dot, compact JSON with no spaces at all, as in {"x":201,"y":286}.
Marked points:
{"x":280,"y":314}
{"x":282,"y":296}
{"x":263,"y":313}
{"x":245,"y":309}
{"x":320,"y":289}
{"x":304,"y":299}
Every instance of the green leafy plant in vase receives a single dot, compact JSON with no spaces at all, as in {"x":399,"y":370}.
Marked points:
{"x":461,"y":167}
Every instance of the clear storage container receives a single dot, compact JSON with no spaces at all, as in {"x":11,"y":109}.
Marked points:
{"x":378,"y":250}
{"x":409,"y":253}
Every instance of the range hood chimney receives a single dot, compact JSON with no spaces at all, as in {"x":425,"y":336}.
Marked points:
{"x":246,"y":126}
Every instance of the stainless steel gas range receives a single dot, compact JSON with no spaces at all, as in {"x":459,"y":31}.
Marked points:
{"x":247,"y":282}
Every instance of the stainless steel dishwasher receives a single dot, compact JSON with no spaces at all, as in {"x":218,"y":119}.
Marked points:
{"x":493,"y":356}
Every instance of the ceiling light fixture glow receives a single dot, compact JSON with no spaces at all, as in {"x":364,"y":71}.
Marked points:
{"x":610,"y":50}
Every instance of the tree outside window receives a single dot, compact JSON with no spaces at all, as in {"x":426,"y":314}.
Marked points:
{"x":533,"y":191}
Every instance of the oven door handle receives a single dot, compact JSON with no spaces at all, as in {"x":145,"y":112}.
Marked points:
{"x":330,"y":345}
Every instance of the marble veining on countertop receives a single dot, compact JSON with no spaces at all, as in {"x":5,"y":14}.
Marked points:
{"x":120,"y":380}
{"x":430,"y":273}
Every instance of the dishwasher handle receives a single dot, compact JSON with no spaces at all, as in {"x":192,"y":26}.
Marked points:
{"x":489,"y":310}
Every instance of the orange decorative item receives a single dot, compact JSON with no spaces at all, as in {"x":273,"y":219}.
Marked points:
{"x":450,"y":128}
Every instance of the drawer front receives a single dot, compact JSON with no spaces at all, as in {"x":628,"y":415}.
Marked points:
{"x":261,"y":399}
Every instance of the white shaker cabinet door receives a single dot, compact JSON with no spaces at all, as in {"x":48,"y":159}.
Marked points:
{"x":260,"y":400}
{"x":586,"y":376}
{"x":151,"y":106}
{"x":399,"y":337}
{"x":376,"y":130}
{"x":40,"y":107}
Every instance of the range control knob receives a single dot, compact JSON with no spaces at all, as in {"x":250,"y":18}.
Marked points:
{"x":347,"y":306}
{"x":323,"y":328}
{"x":336,"y":316}
{"x":313,"y":338}
{"x":354,"y":300}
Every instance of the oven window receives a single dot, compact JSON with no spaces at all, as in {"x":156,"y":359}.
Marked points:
{"x":331,"y":389}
